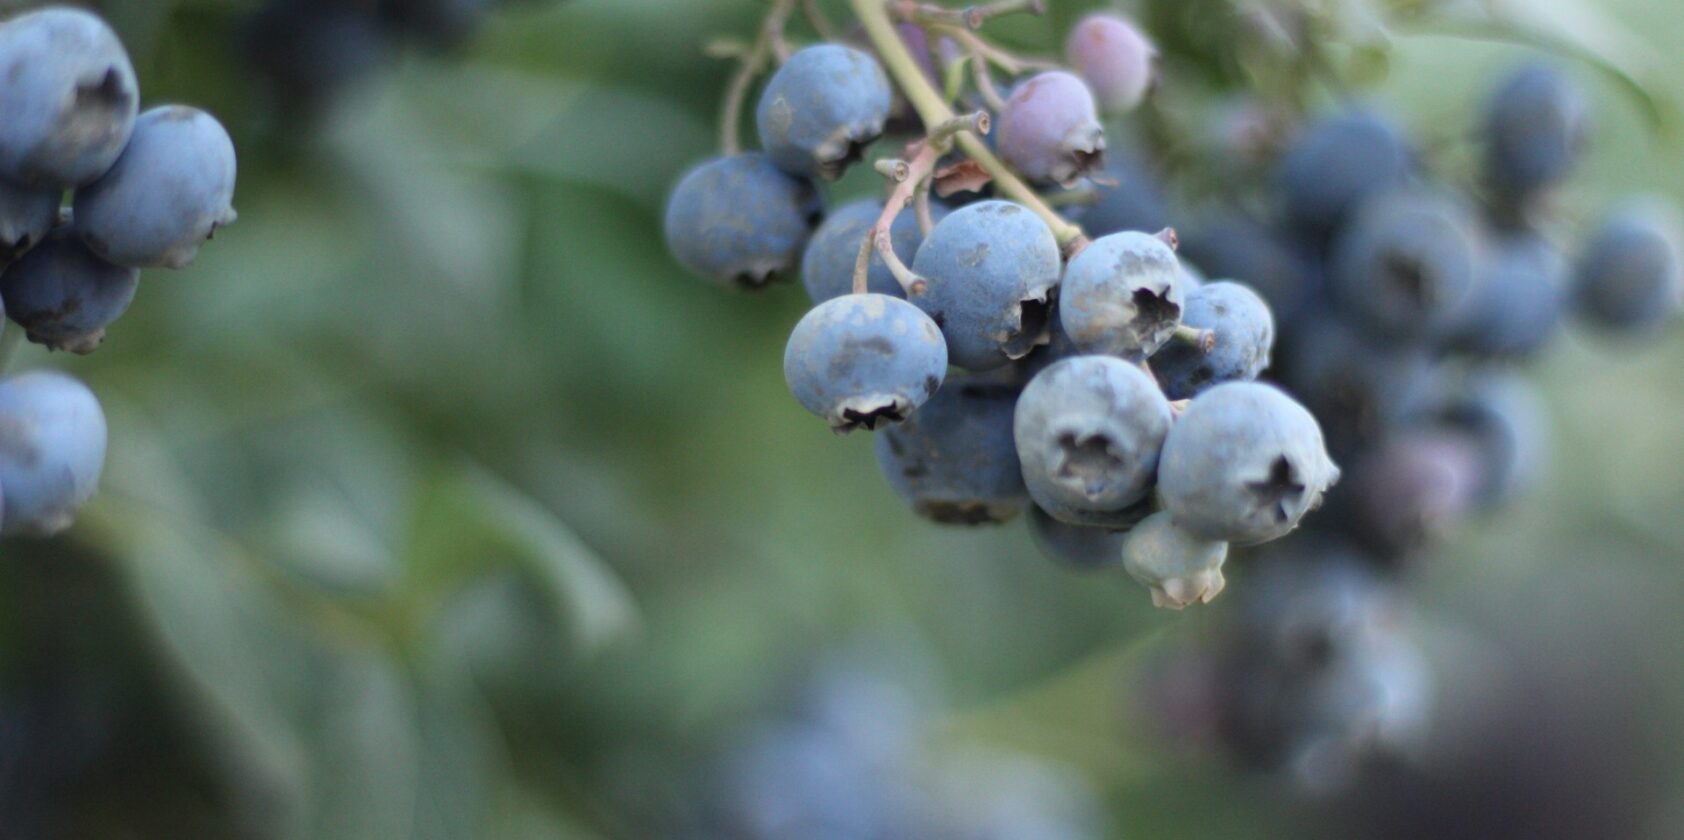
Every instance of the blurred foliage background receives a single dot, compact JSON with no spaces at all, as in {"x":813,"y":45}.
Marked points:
{"x":442,"y":504}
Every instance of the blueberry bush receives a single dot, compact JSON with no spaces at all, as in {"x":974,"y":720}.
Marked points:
{"x":1260,"y":419}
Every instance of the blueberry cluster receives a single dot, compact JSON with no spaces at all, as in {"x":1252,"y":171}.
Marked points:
{"x":92,"y":190}
{"x":1006,"y":362}
{"x":1407,"y":306}
{"x":854,"y":756}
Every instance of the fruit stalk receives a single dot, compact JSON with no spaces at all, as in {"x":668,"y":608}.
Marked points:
{"x":749,"y":68}
{"x":933,"y":110}
{"x":919,"y":170}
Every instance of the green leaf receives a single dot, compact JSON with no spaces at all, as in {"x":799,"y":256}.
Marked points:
{"x":1568,"y":27}
{"x":471,"y":523}
{"x":365,"y":751}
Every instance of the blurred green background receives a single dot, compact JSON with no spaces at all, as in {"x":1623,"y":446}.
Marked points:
{"x":440,"y":503}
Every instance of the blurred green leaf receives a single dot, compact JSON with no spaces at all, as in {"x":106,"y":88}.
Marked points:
{"x":470,"y":524}
{"x":364,"y":749}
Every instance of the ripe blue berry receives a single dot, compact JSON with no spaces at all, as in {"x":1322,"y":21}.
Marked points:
{"x":1075,"y":546}
{"x":1245,"y":334}
{"x":1179,"y":568}
{"x":52,"y":450}
{"x":1122,"y":295}
{"x":1407,"y":263}
{"x":1516,"y":302}
{"x":1336,"y":163}
{"x":1244,"y":249}
{"x":827,"y":266}
{"x":1536,"y":125}
{"x":442,"y":23}
{"x":1359,"y":388}
{"x":1130,"y":199}
{"x":821,"y":109}
{"x":1411,"y":491}
{"x":1089,"y":430}
{"x":1049,"y":130}
{"x":864,"y":360}
{"x":64,"y":296}
{"x":1243,"y":464}
{"x":1505,"y":418}
{"x":740,"y":221}
{"x":1630,"y":278}
{"x":954,"y":459}
{"x":26,"y":216}
{"x":1115,"y":59}
{"x":70,"y":98}
{"x":991,"y":267}
{"x":170,"y":190}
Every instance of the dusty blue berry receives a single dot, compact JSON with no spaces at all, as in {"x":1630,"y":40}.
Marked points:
{"x":954,"y":459}
{"x":1244,"y":332}
{"x":1407,"y":263}
{"x":991,"y":268}
{"x":1536,"y":125}
{"x":864,"y":360}
{"x":26,"y":216}
{"x":168,"y":194}
{"x":1338,"y":162}
{"x":1243,"y":464}
{"x":821,"y":109}
{"x":1178,"y":567}
{"x":69,"y":98}
{"x":1075,"y":546}
{"x":52,"y":450}
{"x":1517,"y":300}
{"x":1244,"y":249}
{"x":1359,"y":388}
{"x":1089,"y":430}
{"x":740,"y":221}
{"x":1629,"y":278}
{"x":1506,"y":420}
{"x":1122,"y":295}
{"x":827,"y":266}
{"x":64,"y":296}
{"x":1049,"y":130}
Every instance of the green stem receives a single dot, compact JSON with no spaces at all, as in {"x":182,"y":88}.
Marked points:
{"x":933,"y":110}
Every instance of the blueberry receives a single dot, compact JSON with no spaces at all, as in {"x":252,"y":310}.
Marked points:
{"x":1536,"y":125}
{"x":954,"y":459}
{"x":821,"y":109}
{"x":1089,"y":430}
{"x":827,"y":266}
{"x":52,"y":449}
{"x":1629,"y":278}
{"x":864,"y":360}
{"x":64,"y":296}
{"x":1178,"y":567}
{"x":167,"y":195}
{"x":740,"y":221}
{"x":1360,"y":389}
{"x":1516,"y":303}
{"x":307,"y":51}
{"x":1245,"y":333}
{"x":26,"y":215}
{"x":1115,"y":59}
{"x":1505,"y":418}
{"x":1131,"y":198}
{"x":1049,"y":130}
{"x":1243,"y":464}
{"x":1247,"y":250}
{"x":1122,"y":295}
{"x":1075,"y":546}
{"x":1407,"y":263}
{"x":70,"y":98}
{"x":1336,"y":163}
{"x":992,"y":268}
{"x":1411,"y":491}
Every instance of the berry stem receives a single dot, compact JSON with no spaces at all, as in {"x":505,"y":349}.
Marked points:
{"x":749,"y":68}
{"x":970,"y":17}
{"x":1205,"y":340}
{"x":816,"y":18}
{"x":933,"y":110}
{"x":919,"y":170}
